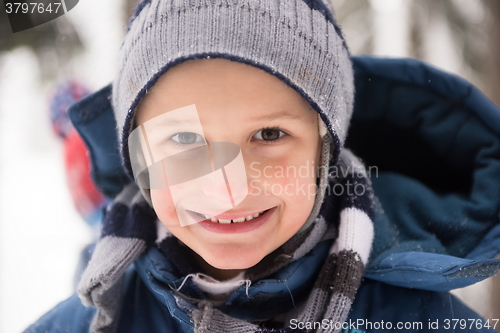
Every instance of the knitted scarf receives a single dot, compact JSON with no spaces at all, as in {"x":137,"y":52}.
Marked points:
{"x":130,"y":227}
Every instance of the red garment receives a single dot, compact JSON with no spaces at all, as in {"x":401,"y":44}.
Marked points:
{"x":86,"y":196}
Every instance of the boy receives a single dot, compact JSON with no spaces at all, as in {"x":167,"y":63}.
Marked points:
{"x":215,"y":102}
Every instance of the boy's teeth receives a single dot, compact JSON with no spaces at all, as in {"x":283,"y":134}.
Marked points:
{"x":240,"y":219}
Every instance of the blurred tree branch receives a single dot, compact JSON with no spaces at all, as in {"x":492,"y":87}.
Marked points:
{"x":355,"y":18}
{"x":128,"y":9}
{"x":492,"y":71}
{"x":493,"y":79}
{"x":54,"y":43}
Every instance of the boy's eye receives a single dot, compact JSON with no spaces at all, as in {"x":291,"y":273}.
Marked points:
{"x":186,"y":138}
{"x":268,"y":134}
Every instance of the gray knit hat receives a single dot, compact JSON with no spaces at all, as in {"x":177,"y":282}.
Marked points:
{"x":298,"y":41}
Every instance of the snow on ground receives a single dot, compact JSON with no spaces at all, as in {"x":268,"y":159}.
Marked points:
{"x":41,"y":234}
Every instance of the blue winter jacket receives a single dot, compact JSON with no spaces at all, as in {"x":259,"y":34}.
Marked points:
{"x":435,"y":140}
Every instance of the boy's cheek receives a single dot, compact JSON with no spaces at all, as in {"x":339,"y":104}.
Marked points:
{"x":285,"y":178}
{"x":164,"y":205}
{"x":299,"y":190}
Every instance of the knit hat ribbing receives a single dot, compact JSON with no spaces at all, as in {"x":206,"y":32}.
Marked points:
{"x":298,"y":41}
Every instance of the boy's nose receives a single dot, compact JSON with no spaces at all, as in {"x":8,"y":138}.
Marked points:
{"x":229,"y":181}
{"x":217,"y":189}
{"x":226,"y":194}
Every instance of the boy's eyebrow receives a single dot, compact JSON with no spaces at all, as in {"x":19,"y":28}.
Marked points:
{"x":177,"y":122}
{"x":281,"y":114}
{"x":189,"y":121}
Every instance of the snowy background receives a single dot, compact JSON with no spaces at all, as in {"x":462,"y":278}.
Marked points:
{"x":41,"y":234}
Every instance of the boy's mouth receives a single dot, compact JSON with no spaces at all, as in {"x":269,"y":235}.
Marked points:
{"x":234,"y":220}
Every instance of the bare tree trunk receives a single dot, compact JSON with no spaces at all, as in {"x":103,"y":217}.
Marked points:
{"x":492,"y":74}
{"x":128,"y":9}
{"x":496,"y":298}
{"x":492,"y":78}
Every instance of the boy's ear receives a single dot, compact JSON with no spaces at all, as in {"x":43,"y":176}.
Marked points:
{"x":321,"y":127}
{"x":94,"y":120}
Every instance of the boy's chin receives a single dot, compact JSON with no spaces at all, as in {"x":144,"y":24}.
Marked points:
{"x":238,"y":264}
{"x":234,"y":262}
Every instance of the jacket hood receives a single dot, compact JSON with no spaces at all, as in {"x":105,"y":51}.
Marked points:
{"x":270,"y":296}
{"x":435,"y":142}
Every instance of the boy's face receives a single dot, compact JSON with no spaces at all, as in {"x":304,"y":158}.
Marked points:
{"x":277,"y":132}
